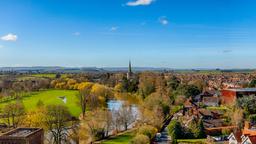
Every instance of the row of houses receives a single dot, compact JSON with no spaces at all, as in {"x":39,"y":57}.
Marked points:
{"x":214,"y":119}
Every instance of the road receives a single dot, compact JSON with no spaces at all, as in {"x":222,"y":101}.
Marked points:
{"x":165,"y":138}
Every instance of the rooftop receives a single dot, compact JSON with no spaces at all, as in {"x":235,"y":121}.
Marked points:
{"x":21,"y":132}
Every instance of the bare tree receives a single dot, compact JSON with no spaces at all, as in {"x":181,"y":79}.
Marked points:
{"x":57,"y":117}
{"x":126,"y":116}
{"x":13,"y":114}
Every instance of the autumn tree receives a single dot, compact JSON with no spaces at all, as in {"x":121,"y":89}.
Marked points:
{"x":83,"y":96}
{"x":96,"y":126}
{"x":13,"y":114}
{"x":140,"y":139}
{"x":147,"y":83}
{"x":35,"y":118}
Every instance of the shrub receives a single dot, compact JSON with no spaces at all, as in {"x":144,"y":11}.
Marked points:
{"x":140,"y":139}
{"x":148,"y":131}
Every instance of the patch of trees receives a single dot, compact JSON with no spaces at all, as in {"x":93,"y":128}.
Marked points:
{"x":177,"y":131}
{"x":248,"y":103}
{"x":14,"y":88}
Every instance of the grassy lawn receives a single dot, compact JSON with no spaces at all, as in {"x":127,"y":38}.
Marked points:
{"x":121,"y":139}
{"x":196,"y":141}
{"x":51,"y":97}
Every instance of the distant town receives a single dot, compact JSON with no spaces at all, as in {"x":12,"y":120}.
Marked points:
{"x":46,"y":105}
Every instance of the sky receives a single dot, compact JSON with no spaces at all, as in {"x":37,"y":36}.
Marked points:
{"x":109,"y":33}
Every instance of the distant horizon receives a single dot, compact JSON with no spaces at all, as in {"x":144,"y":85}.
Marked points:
{"x":154,"y":33}
{"x":125,"y":67}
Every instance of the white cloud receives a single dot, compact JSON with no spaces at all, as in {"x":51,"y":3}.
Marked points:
{"x":76,"y":33}
{"x":114,"y":28}
{"x":163,"y":21}
{"x":9,"y":37}
{"x":139,"y":2}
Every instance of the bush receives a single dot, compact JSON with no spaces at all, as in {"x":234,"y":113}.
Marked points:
{"x":140,"y":139}
{"x":252,"y":118}
{"x":175,"y":130}
{"x":148,"y":131}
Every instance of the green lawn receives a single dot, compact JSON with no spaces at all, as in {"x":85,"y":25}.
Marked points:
{"x":121,"y":139}
{"x":51,"y":97}
{"x":196,"y":141}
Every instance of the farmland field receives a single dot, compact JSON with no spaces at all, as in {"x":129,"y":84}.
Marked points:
{"x":51,"y":97}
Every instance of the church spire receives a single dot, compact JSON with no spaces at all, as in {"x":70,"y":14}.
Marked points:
{"x":129,"y":73}
{"x":130,"y":67}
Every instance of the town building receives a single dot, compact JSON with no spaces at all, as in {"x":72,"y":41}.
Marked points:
{"x":247,"y":136}
{"x":23,"y":136}
{"x":230,"y":95}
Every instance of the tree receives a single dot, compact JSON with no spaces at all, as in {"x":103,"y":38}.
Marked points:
{"x":173,"y":83}
{"x":35,"y":118}
{"x":201,"y":129}
{"x":83,"y":96}
{"x":126,"y":116}
{"x":188,"y":90}
{"x":175,"y":130}
{"x":252,"y":83}
{"x":13,"y":114}
{"x":56,"y":120}
{"x":96,"y":125}
{"x":147,"y":83}
{"x":197,"y":129}
{"x":237,"y":117}
{"x":248,"y":103}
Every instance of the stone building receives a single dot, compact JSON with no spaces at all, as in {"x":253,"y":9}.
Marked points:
{"x":23,"y":136}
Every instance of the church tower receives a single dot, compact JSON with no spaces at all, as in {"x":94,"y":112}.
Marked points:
{"x":129,"y":73}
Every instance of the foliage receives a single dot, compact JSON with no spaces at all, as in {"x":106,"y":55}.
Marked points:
{"x":92,"y":96}
{"x":13,"y":114}
{"x":236,"y":116}
{"x":248,"y":103}
{"x":197,"y":129}
{"x":140,"y":139}
{"x":173,"y":83}
{"x":252,"y":84}
{"x":188,"y":90}
{"x":129,"y":85}
{"x":147,"y":83}
{"x":147,"y":130}
{"x":96,"y":125}
{"x":35,"y":118}
{"x":175,"y":130}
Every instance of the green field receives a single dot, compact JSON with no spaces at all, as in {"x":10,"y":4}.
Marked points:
{"x":195,"y":141}
{"x":51,"y":97}
{"x":121,"y":139}
{"x":48,"y":75}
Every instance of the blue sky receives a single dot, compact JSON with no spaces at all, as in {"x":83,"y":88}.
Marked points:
{"x":107,"y":33}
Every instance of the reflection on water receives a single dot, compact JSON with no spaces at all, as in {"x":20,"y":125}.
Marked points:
{"x":115,"y":105}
